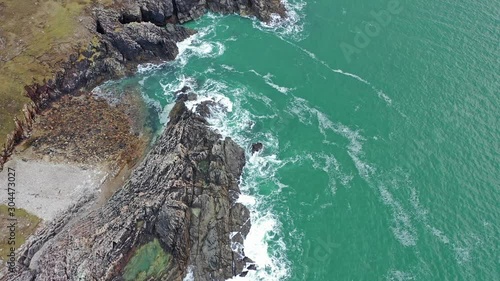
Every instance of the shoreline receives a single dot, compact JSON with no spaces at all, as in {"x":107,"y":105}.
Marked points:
{"x":100,"y":62}
{"x":188,"y":181}
{"x":47,"y":188}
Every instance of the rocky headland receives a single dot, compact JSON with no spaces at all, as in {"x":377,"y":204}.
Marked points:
{"x":177,"y":212}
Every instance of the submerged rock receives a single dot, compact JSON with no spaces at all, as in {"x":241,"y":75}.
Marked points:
{"x":185,"y":94}
{"x":127,"y":34}
{"x":181,"y":202}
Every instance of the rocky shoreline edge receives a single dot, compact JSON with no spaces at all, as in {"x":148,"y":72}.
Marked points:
{"x":126,"y":34}
{"x":188,"y":217}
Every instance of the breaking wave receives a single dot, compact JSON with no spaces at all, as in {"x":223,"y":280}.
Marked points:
{"x":232,"y":120}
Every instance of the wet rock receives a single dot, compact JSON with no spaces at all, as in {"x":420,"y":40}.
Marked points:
{"x":186,"y":97}
{"x":204,"y":108}
{"x":185,"y":94}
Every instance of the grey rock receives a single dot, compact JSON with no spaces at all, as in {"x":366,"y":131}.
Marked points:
{"x":257,"y":147}
{"x":135,"y":32}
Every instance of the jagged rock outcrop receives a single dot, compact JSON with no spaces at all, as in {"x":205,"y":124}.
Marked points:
{"x":164,"y":11}
{"x":262,"y":9}
{"x":183,"y":195}
{"x":257,"y":147}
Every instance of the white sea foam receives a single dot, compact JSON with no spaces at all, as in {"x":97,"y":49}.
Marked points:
{"x":260,"y":168}
{"x":141,"y":82}
{"x":307,"y":114}
{"x":163,"y":117}
{"x":264,"y":99}
{"x":168,"y":90}
{"x":462,"y":254}
{"x":439,"y":234}
{"x":268,"y":78}
{"x":227,"y":67}
{"x":181,"y":82}
{"x":217,"y":99}
{"x":402,"y":227}
{"x":263,"y":243}
{"x":398,"y":275}
{"x":198,"y":45}
{"x":269,"y":268}
{"x":147,"y":68}
{"x":230,"y":119}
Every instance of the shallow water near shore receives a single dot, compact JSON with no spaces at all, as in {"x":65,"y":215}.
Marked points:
{"x":382,"y":164}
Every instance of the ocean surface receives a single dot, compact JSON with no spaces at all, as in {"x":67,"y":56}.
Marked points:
{"x":380,"y":122}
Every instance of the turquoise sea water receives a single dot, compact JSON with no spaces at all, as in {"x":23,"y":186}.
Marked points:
{"x":382,"y":143}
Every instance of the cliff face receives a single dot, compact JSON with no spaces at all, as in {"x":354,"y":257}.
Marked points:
{"x":161,"y":12}
{"x":177,"y":213}
{"x":178,"y":210}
